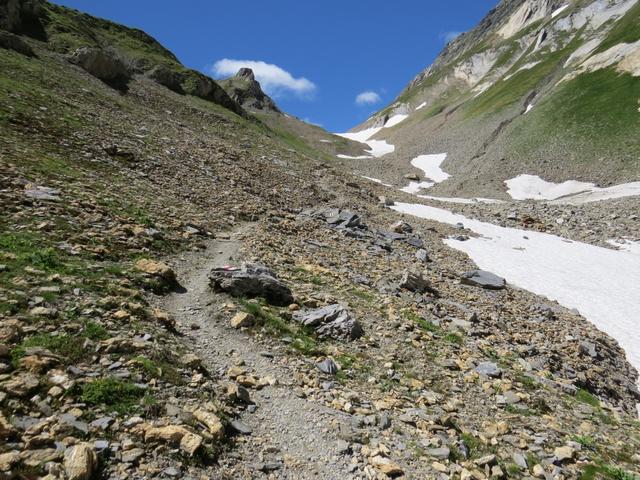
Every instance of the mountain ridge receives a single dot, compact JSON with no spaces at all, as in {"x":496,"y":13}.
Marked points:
{"x":507,"y":89}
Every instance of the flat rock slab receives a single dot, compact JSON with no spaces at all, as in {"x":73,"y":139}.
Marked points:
{"x":332,"y":321}
{"x":251,"y":280}
{"x":480,"y":278}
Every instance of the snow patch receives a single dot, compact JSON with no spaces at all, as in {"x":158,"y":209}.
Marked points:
{"x":529,"y":108}
{"x":378,"y":148}
{"x":602,"y":283}
{"x":376,"y":180}
{"x":532,"y":187}
{"x":395,"y":120}
{"x":422,"y":105}
{"x":416,"y":187}
{"x":467,"y":201}
{"x":597,"y":194}
{"x":430,"y":165}
{"x":348,"y":157}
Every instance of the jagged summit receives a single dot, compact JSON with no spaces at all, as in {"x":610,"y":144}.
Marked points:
{"x":246,"y":73}
{"x":246,"y":90}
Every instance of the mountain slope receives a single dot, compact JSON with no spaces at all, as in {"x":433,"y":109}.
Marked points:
{"x":543,"y":87}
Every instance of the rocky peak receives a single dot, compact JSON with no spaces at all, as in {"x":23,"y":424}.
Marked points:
{"x":246,"y":74}
{"x":246,"y":90}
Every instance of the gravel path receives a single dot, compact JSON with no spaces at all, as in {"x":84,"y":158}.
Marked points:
{"x":291,"y":434}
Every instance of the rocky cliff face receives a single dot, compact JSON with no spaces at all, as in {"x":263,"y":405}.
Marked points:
{"x":245,"y":89}
{"x":527,"y":91}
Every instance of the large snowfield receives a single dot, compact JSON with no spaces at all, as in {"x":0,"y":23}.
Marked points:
{"x":532,"y":187}
{"x":602,"y":284}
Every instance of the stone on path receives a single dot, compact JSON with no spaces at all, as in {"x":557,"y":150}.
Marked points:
{"x":251,"y":280}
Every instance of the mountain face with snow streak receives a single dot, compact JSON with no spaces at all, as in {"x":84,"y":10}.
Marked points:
{"x":540,"y":87}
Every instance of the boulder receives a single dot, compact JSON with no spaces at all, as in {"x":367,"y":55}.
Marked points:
{"x":21,"y":385}
{"x":9,"y":41}
{"x":169,"y":434}
{"x":156,"y":269}
{"x":190,"y":443}
{"x":489,"y":369}
{"x":211,"y":421}
{"x":328,"y":366}
{"x":22,"y":17}
{"x":422,"y":255}
{"x":102,"y":64}
{"x":344,"y":219}
{"x":166,"y":77}
{"x":415,"y":282}
{"x":386,"y":466}
{"x":80,"y":462}
{"x":251,"y":281}
{"x":480,"y":278}
{"x":242,"y":320}
{"x":332,"y":321}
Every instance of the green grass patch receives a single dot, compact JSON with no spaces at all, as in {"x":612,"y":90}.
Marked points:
{"x":606,"y":472}
{"x":473,"y":444}
{"x":422,"y":323}
{"x":94,"y":331}
{"x":68,"y":346}
{"x":158,"y":369}
{"x":586,"y":441}
{"x":363,"y":295}
{"x":584,"y":396}
{"x":29,"y":250}
{"x":115,"y":394}
{"x":454,"y":339}
{"x":302,"y":340}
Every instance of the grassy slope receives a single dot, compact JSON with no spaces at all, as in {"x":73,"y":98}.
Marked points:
{"x":596,"y":113}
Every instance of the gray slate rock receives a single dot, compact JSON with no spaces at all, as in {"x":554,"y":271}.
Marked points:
{"x":489,"y":369}
{"x":241,"y":428}
{"x":480,"y":278}
{"x":422,"y":255}
{"x":327,"y":366}
{"x":332,"y":321}
{"x":251,"y":281}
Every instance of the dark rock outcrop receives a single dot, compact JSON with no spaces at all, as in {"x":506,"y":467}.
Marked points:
{"x":105,"y":65}
{"x":23,"y":17}
{"x":251,"y":281}
{"x":246,"y":90}
{"x":9,"y":41}
{"x":332,"y":321}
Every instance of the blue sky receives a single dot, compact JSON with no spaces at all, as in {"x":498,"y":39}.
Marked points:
{"x":318,"y":56}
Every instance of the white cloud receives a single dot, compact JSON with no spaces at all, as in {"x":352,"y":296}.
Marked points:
{"x":367,"y":98}
{"x":450,"y":36}
{"x":273,"y":79}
